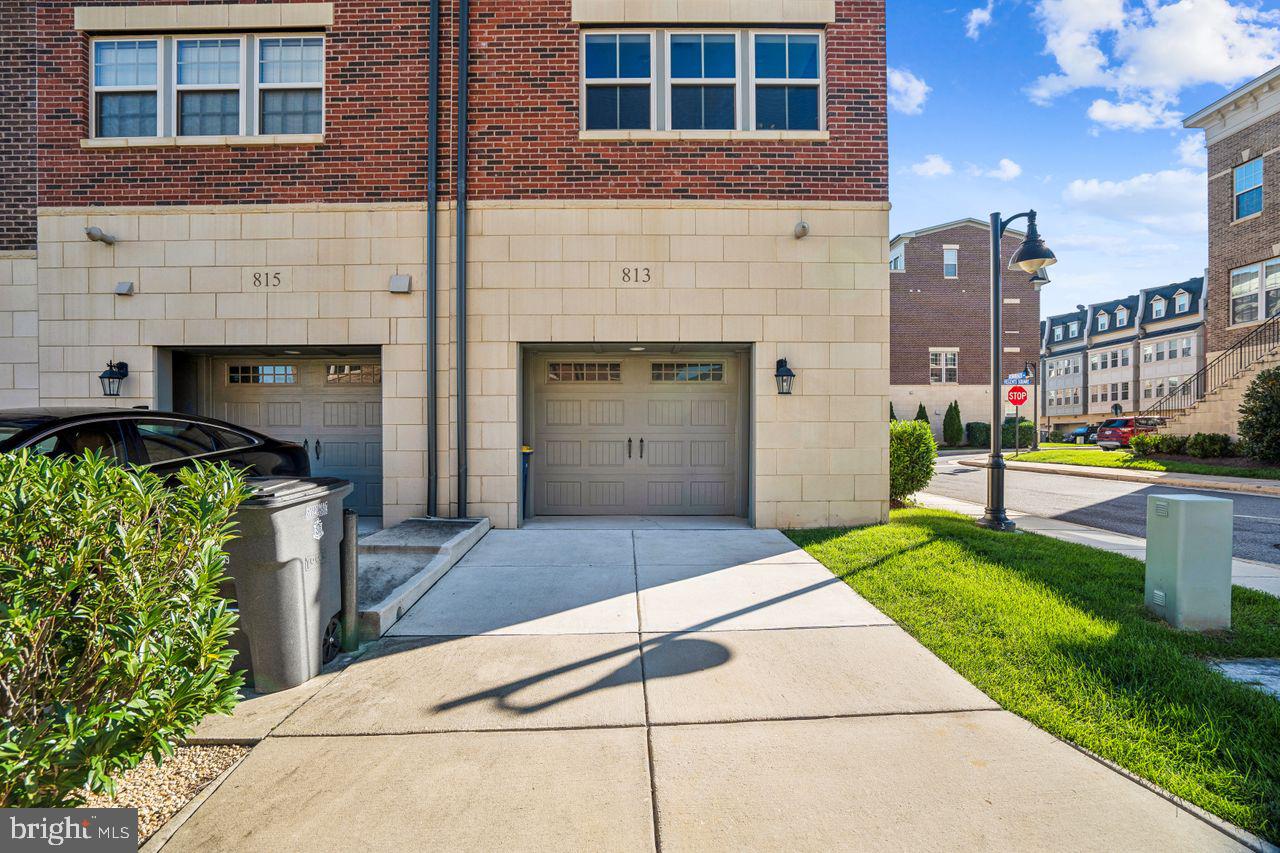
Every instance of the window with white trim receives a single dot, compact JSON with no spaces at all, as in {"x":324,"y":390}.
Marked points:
{"x":1247,"y":186}
{"x":1181,"y":302}
{"x":786,"y":80}
{"x":1104,"y":321}
{"x":1057,"y":333}
{"x":950,"y":262}
{"x":1122,"y":317}
{"x":702,"y":80}
{"x":1255,"y":292}
{"x":1157,"y":308}
{"x":944,"y":367}
{"x":1073,"y":328}
{"x":617,"y":80}
{"x":126,"y":87}
{"x":221,"y":85}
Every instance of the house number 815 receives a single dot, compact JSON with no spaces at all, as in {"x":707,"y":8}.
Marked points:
{"x":266,"y":279}
{"x":636,"y":275}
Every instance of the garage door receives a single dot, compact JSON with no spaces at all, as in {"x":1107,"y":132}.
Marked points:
{"x":637,"y":436}
{"x":333,"y":407}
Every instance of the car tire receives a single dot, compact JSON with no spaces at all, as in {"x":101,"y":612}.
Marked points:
{"x":331,"y":644}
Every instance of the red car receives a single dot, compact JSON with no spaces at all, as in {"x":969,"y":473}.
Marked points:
{"x":1115,"y":433}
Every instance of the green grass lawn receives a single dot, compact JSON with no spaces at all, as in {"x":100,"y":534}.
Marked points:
{"x":1094,"y":458}
{"x":1067,"y":445}
{"x":1057,"y":633}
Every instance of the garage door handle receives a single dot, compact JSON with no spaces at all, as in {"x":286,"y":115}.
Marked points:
{"x":317,"y":448}
{"x":642,"y":448}
{"x":306,"y":445}
{"x":628,"y":448}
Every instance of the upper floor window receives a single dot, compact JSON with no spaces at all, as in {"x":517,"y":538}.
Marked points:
{"x":618,"y":75}
{"x":186,"y":86}
{"x":950,"y":262}
{"x":1182,"y":302}
{"x":1122,"y":317}
{"x":1248,"y":188}
{"x":1073,"y":328}
{"x":944,"y":367}
{"x":703,"y":80}
{"x":1157,"y":308}
{"x":786,"y":81}
{"x":1255,"y":292}
{"x":1104,"y":321}
{"x":1057,"y":333}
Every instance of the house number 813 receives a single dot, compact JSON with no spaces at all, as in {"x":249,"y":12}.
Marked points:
{"x":636,"y":275}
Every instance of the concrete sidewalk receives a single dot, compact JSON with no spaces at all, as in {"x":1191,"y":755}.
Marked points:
{"x":1259,"y":576}
{"x":653,"y":689}
{"x":1135,"y":475}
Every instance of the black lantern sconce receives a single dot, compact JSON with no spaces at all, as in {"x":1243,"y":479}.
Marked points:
{"x":112,"y":377}
{"x":784,"y":376}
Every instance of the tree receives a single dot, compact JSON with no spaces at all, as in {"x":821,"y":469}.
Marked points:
{"x":892,"y":416}
{"x":922,"y":414}
{"x":1260,"y":416}
{"x":952,"y":427}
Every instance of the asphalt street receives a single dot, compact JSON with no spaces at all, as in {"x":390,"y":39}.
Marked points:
{"x":1108,"y":504}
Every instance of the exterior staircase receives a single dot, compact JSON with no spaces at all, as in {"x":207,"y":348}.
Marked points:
{"x":1210,"y":400}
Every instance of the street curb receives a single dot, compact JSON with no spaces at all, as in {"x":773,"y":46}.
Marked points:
{"x":1261,"y":488}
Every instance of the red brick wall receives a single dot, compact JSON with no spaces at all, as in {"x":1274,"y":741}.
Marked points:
{"x":17,"y":126}
{"x":524,"y":123}
{"x":1236,"y":244}
{"x":927,"y":310}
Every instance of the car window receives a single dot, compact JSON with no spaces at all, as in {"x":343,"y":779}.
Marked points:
{"x":229,"y":440}
{"x":1116,"y":423}
{"x":166,"y":441}
{"x":102,"y":436}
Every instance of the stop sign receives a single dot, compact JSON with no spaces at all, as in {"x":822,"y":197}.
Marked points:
{"x":1018,"y":395}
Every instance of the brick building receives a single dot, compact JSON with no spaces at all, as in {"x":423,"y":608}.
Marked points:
{"x":1242,"y":134}
{"x":18,"y":301}
{"x":661,"y":201}
{"x":940,"y":334}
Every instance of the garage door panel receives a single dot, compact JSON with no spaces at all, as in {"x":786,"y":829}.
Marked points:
{"x":667,"y":413}
{"x":709,"y":453}
{"x":606,"y":413}
{"x":343,"y":414}
{"x":665,"y":454}
{"x":284,"y":414}
{"x":606,"y":495}
{"x":563,"y":453}
{"x":608,"y":454}
{"x":563,"y":413}
{"x":709,"y":413}
{"x":709,"y":494}
{"x":245,"y":414}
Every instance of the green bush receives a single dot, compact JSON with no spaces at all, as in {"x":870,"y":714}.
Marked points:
{"x":1056,"y":436}
{"x":1170,"y":445}
{"x":1144,"y":444}
{"x":113,"y":640}
{"x":922,"y":414}
{"x":892,"y":416}
{"x":1260,"y":416}
{"x":952,"y":428}
{"x":978,"y":433}
{"x":1026,"y":434}
{"x":912,"y":453}
{"x":1209,"y":445}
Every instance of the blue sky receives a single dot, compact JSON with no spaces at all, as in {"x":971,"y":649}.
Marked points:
{"x":1073,"y":107}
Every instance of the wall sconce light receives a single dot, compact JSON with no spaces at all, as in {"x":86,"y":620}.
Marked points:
{"x":802,"y":230}
{"x":97,"y":235}
{"x":124,"y":288}
{"x":400,"y":284}
{"x":784,"y":376}
{"x":112,"y":377}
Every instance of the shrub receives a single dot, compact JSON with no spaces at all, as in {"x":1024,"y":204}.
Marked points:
{"x":1026,"y":435}
{"x":952,"y":428}
{"x":1172,"y":445}
{"x":892,"y":416}
{"x":113,"y":640}
{"x":922,"y":414}
{"x":1260,"y":416}
{"x":979,"y":433}
{"x":1144,"y":444}
{"x":1056,"y":436}
{"x":1209,"y":445}
{"x":912,"y":453}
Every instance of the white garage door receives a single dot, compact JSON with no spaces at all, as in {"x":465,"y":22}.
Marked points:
{"x":637,"y":435}
{"x":333,"y":407}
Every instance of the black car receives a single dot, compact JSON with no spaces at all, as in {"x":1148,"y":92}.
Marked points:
{"x":1088,"y":433}
{"x":164,"y":442}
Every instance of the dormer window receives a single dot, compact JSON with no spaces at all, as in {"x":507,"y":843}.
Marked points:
{"x":1104,"y":321}
{"x":1057,"y":333}
{"x":1157,"y":308}
{"x":1073,"y":328}
{"x":1122,"y":317}
{"x":1182,"y":302}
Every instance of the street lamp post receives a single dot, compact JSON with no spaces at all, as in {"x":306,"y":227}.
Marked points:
{"x":1032,"y":256}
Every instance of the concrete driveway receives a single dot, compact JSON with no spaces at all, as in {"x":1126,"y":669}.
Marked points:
{"x":644,"y":689}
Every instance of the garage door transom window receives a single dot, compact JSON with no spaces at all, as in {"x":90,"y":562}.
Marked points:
{"x":680,"y":371}
{"x":584,"y":371}
{"x":262,"y":374}
{"x":353,"y":374}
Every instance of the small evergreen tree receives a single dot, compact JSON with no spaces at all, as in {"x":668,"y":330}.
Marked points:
{"x":952,"y":428}
{"x":922,"y":414}
{"x":892,"y":416}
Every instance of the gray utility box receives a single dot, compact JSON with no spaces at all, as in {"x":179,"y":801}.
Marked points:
{"x":285,"y":580}
{"x":1189,"y":560}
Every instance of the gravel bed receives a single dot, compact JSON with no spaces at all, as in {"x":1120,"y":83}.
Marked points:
{"x":158,"y":793}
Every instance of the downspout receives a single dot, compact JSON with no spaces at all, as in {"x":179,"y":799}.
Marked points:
{"x":433,"y":199}
{"x":460,"y":302}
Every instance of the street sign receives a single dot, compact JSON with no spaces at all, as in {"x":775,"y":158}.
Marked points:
{"x":1018,"y":395}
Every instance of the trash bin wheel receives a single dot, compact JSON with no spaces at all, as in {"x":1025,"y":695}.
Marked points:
{"x":332,"y":642}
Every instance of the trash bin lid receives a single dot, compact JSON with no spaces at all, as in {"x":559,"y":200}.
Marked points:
{"x":275,"y":492}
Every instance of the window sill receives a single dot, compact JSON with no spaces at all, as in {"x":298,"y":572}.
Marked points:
{"x":1249,"y":218}
{"x":704,"y":135}
{"x":202,"y":141}
{"x":1245,"y":325}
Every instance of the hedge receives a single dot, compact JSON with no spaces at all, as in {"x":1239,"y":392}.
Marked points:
{"x":1260,"y":416}
{"x":912,"y":454}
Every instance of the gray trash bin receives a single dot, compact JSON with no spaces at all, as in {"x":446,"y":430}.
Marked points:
{"x":284,"y":577}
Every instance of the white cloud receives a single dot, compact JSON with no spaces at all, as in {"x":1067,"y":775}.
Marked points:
{"x":1191,"y":151}
{"x":1005,"y":170}
{"x":932,"y":166}
{"x":1146,"y":52}
{"x":907,"y":92}
{"x":1173,"y":200}
{"x":977,"y":19}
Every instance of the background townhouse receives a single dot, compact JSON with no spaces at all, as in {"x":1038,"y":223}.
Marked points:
{"x":1064,"y":370}
{"x":1112,"y":362}
{"x":18,"y":302}
{"x":940,"y":286}
{"x":661,"y":201}
{"x":1242,"y":332}
{"x":1172,"y":345}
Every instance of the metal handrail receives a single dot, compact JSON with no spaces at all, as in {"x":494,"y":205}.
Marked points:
{"x":1221,"y":370}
